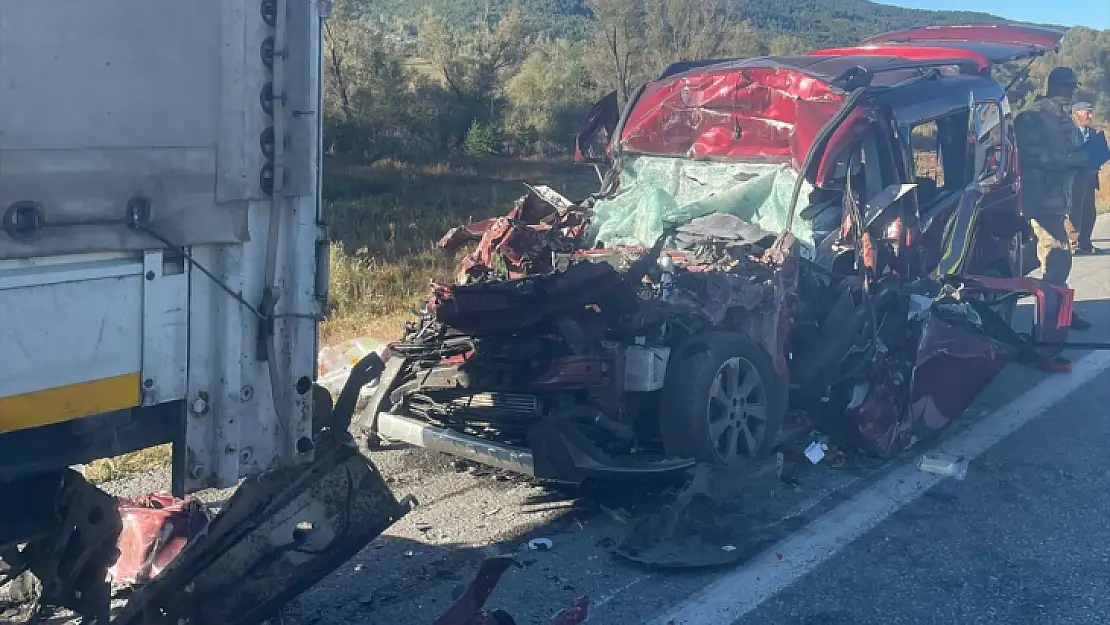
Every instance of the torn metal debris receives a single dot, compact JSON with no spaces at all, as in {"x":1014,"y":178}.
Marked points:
{"x":155,"y":529}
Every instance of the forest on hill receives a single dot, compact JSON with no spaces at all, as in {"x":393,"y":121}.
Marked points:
{"x":420,"y":81}
{"x":816,"y":22}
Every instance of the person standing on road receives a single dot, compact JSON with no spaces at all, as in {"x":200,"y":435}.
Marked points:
{"x":1081,"y":220}
{"x":1050,"y":154}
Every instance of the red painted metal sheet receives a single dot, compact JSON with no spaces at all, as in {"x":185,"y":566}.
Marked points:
{"x":912,"y":52}
{"x":1035,"y":36}
{"x":156,"y":528}
{"x":732,"y":113}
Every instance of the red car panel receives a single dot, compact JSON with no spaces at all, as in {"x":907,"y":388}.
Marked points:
{"x":1008,"y":35}
{"x":914,"y":52}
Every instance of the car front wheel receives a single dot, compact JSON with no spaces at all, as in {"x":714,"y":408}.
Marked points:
{"x":722,"y":401}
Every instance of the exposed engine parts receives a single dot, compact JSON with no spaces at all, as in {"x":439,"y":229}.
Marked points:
{"x":581,"y":361}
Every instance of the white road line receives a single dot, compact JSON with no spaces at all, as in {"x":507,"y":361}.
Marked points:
{"x":742,"y":591}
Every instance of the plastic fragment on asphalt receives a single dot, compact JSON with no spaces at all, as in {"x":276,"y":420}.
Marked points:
{"x":939,"y":464}
{"x":816,"y":451}
{"x":540,"y":544}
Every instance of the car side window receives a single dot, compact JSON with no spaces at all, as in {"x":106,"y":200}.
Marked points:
{"x":939,"y":157}
{"x":928,"y":162}
{"x":926,"y":154}
{"x":987,"y":141}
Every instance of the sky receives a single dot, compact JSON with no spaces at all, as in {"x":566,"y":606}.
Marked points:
{"x":1090,"y":13}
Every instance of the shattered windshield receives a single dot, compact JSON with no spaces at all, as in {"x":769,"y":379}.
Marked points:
{"x":655,"y":191}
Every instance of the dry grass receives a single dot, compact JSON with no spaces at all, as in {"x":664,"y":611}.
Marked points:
{"x":109,"y":469}
{"x":385,"y":221}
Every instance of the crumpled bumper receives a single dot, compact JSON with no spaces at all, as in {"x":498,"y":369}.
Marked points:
{"x":555,"y":452}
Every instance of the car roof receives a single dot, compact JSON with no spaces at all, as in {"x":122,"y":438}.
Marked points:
{"x":775,"y":106}
{"x":923,"y":101}
{"x":892,"y":56}
{"x":1005,"y":34}
{"x":826,"y":69}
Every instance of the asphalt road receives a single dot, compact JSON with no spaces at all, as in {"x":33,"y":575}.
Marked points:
{"x":1022,"y":539}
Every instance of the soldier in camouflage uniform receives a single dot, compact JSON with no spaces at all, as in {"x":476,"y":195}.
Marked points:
{"x":1050,"y":153}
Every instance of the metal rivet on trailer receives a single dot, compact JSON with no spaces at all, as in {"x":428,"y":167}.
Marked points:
{"x":266,"y":179}
{"x":24,"y":220}
{"x":266,"y":52}
{"x":266,"y":142}
{"x":266,"y":98}
{"x":200,"y":404}
{"x":268,"y":10}
{"x":246,"y":393}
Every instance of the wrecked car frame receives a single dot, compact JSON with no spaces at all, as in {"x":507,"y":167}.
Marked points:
{"x":767,"y":255}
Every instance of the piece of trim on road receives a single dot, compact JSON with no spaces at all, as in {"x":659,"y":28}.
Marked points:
{"x":740,"y":592}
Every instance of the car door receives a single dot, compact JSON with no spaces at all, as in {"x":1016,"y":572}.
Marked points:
{"x":936,"y":167}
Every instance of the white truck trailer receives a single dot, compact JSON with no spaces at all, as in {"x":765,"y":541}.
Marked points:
{"x":163,"y":268}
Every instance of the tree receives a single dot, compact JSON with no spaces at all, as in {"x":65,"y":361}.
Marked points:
{"x":744,"y":41}
{"x":375,"y":107}
{"x":786,"y":45}
{"x":474,"y":65}
{"x":549,"y":96}
{"x":341,"y":42}
{"x":687,"y":30}
{"x":617,"y":44}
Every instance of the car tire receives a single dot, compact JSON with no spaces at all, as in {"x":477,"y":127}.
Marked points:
{"x":722,"y":402}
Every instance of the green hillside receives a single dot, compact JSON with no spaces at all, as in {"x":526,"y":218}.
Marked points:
{"x":816,"y":22}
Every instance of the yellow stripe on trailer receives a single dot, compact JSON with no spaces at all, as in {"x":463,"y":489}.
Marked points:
{"x":65,"y":403}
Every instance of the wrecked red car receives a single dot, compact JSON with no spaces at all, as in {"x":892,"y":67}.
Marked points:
{"x":830,"y":240}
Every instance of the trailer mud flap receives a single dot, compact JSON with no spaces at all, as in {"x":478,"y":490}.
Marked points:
{"x":279,"y":534}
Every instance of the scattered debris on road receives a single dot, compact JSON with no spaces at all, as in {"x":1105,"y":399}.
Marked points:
{"x":540,"y":544}
{"x":706,"y":524}
{"x":941,"y":464}
{"x":816,"y":451}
